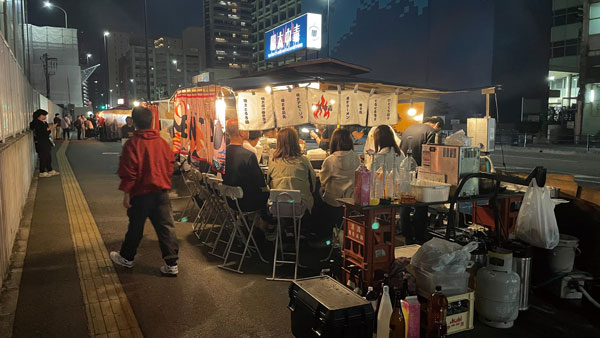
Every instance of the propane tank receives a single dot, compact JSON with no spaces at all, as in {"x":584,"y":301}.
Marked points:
{"x":497,"y":292}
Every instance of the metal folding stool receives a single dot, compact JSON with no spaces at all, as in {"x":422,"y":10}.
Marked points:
{"x":240,"y":224}
{"x":283,"y":205}
{"x":208,"y":208}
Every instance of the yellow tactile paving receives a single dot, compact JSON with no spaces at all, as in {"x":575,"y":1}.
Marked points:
{"x":107,"y":309}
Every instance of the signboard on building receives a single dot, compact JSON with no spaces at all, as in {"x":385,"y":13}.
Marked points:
{"x":303,"y":32}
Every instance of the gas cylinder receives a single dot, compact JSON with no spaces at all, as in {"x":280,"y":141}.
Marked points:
{"x":497,"y":291}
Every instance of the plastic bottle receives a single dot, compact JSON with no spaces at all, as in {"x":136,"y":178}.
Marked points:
{"x":408,"y":169}
{"x":397,"y":324}
{"x":372,"y":298}
{"x":385,"y":314}
{"x":436,"y":314}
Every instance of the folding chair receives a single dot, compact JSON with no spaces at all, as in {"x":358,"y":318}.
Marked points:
{"x":218,"y":213}
{"x":187,"y":173}
{"x":286,"y":204}
{"x":209,"y":206}
{"x":241,"y":229}
{"x":336,"y":242}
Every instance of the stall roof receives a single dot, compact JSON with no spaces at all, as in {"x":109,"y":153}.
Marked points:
{"x":328,"y":72}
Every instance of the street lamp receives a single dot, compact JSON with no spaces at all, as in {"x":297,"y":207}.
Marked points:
{"x":48,"y":4}
{"x":87,"y":58}
{"x":106,"y":34}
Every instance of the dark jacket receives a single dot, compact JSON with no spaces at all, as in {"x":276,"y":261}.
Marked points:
{"x":146,"y":164}
{"x":41,"y":134}
{"x":421,"y":134}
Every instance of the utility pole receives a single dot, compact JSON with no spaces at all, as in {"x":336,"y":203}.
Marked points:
{"x":148,"y":99}
{"x":49,"y":69}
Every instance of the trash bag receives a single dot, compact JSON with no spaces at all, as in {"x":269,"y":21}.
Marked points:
{"x":457,"y":139}
{"x":438,"y":255}
{"x":536,"y":222}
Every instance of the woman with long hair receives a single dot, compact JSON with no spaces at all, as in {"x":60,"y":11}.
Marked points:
{"x":384,"y":162}
{"x":289,"y":169}
{"x":337,"y":179}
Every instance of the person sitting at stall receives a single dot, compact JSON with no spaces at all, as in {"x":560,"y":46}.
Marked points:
{"x":423,"y":133}
{"x":243,"y":171}
{"x":386,"y":148}
{"x":337,"y":180}
{"x":370,"y":142}
{"x":289,"y":169}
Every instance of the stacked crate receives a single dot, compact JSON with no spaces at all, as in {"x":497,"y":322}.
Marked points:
{"x":368,"y":249}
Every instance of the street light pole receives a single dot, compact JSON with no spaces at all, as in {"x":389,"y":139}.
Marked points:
{"x":48,"y":4}
{"x":328,"y":45}
{"x":147,"y":52}
{"x":106,"y":34}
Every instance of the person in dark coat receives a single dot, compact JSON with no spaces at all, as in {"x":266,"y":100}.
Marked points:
{"x":43,"y":144}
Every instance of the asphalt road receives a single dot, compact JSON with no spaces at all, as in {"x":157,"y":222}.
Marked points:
{"x":584,"y":167}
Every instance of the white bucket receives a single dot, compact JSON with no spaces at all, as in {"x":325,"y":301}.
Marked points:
{"x":562,"y":257}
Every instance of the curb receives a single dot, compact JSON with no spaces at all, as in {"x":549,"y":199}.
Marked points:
{"x":593,"y":152}
{"x":9,"y":294}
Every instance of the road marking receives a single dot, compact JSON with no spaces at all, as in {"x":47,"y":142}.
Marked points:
{"x":107,"y":308}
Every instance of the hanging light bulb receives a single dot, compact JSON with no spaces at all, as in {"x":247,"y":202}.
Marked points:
{"x":411,"y":111}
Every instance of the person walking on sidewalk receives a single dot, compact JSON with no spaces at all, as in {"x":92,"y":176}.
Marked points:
{"x":65,"y":125}
{"x":43,"y":144}
{"x":145,"y":169}
{"x":57,"y":120}
{"x":79,"y":126}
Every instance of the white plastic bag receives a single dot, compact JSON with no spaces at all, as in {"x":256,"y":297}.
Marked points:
{"x":441,"y":255}
{"x":457,"y":139}
{"x":536,"y":223}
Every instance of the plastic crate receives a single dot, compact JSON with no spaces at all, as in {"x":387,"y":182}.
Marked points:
{"x":428,"y":191}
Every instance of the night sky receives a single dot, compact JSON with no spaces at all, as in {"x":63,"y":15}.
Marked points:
{"x":92,"y":17}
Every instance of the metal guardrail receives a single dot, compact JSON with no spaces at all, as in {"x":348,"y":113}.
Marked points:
{"x":558,"y":142}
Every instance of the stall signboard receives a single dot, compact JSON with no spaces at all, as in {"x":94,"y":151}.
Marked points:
{"x":255,"y":111}
{"x":383,"y":109}
{"x":193,"y":128}
{"x":354,"y":105}
{"x":324,"y":106}
{"x":303,"y":32}
{"x":291,"y":107}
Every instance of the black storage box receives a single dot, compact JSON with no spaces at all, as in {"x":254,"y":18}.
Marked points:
{"x":323,"y":307}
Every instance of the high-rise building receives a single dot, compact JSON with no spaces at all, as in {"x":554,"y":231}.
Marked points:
{"x":54,"y":52}
{"x":565,"y":44}
{"x":266,"y":15}
{"x":117,"y":45}
{"x":173,"y":64}
{"x":228,"y":26}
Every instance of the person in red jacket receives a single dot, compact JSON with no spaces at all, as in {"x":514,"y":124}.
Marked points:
{"x":145,"y":169}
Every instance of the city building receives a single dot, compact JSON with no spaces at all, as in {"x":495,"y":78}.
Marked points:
{"x":117,"y":45}
{"x":132,"y":72}
{"x":567,"y":23}
{"x":266,"y":15}
{"x":228,"y":29}
{"x":54,"y":61}
{"x":587,"y":119}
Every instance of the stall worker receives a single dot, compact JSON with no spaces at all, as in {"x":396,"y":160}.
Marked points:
{"x":127,"y":129}
{"x":322,"y":135}
{"x":337,"y":180}
{"x":423,"y":133}
{"x":251,"y":139}
{"x":289,"y":169}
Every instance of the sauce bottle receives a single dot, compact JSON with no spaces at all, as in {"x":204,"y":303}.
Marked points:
{"x":436,"y":314}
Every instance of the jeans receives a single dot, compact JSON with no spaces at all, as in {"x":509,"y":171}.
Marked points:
{"x":157,"y":207}
{"x":79,"y":133}
{"x":66,"y":133}
{"x":45,"y":155}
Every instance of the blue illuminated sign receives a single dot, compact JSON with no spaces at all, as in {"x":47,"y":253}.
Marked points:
{"x":303,"y":32}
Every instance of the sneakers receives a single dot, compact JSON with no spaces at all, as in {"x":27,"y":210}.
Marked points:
{"x":44,"y":174}
{"x":119,"y":260}
{"x":169,"y":270}
{"x":53,"y":173}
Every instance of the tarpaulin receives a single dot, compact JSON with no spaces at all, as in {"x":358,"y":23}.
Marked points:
{"x":255,"y":111}
{"x":354,"y":107}
{"x":291,"y":107}
{"x":324,"y":106}
{"x":194,"y":129}
{"x":383,"y":109}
